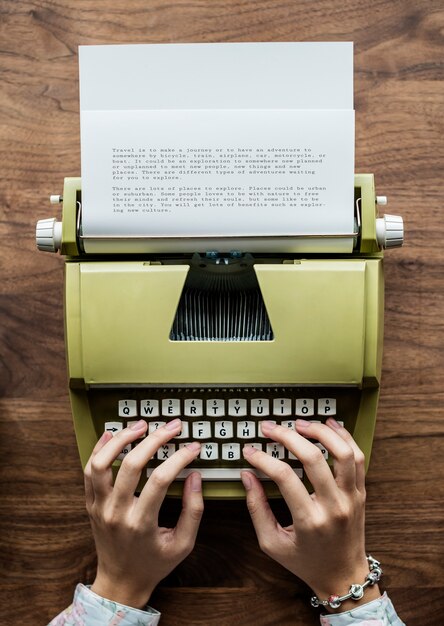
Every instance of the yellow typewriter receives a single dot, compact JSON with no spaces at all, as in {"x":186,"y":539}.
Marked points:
{"x":223,"y":340}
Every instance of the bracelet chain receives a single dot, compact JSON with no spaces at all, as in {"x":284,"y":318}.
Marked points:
{"x":356,"y":591}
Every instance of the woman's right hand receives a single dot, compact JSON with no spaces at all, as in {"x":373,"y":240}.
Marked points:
{"x":325,"y":545}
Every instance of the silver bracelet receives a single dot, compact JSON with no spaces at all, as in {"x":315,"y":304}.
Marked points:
{"x":356,"y":591}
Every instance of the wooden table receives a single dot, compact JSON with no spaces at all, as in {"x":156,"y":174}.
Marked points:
{"x":45,"y":540}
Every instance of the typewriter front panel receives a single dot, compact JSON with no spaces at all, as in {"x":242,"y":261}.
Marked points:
{"x":317,"y":309}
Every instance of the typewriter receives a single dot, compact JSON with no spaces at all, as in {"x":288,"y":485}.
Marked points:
{"x":223,"y":340}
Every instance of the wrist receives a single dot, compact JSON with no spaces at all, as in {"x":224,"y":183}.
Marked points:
{"x":370,"y":594}
{"x":121,"y":592}
{"x":349,"y":588}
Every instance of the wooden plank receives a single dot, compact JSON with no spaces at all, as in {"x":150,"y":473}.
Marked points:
{"x":45,"y":542}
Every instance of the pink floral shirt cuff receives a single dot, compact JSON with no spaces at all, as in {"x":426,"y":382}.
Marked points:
{"x":89,"y":609}
{"x":379,"y":612}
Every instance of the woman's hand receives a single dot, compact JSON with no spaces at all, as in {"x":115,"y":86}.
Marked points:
{"x":133,"y":553}
{"x":325,"y":545}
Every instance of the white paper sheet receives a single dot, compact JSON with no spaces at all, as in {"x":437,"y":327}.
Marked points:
{"x":217,"y":140}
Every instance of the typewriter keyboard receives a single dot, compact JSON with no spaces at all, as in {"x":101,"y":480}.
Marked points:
{"x":222,"y":419}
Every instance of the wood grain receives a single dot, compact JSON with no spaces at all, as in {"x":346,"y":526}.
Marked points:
{"x":45,"y":541}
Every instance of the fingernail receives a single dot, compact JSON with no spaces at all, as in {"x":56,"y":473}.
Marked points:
{"x":332,"y":422}
{"x":246,"y":480}
{"x":302,"y":423}
{"x":173,"y":424}
{"x":268,"y":424}
{"x":194,"y":446}
{"x":196,"y":482}
{"x":249,"y":450}
{"x":138,"y":425}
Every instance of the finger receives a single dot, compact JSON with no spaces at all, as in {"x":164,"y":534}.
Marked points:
{"x":343,"y":457}
{"x":291,"y":487}
{"x":265,"y":523}
{"x":154,"y":492}
{"x":308,"y":454}
{"x":191,"y":514}
{"x":135,"y":461}
{"x":101,"y":472}
{"x":358,"y":454}
{"x":89,"y":491}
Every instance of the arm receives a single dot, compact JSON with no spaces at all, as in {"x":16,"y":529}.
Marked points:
{"x":325,"y":545}
{"x":134,"y":554}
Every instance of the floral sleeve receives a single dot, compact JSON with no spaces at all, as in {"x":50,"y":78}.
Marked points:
{"x":89,"y":609}
{"x":379,"y":612}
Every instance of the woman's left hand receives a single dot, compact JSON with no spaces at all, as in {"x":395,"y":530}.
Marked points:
{"x":133,"y":553}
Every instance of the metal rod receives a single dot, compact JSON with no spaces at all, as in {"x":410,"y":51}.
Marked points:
{"x":191,"y":237}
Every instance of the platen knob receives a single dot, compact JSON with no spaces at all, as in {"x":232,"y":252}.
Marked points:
{"x":48,"y":235}
{"x":390,"y":231}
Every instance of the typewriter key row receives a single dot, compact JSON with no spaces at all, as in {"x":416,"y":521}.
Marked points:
{"x":234,"y":407}
{"x":211,"y":451}
{"x":243,"y":429}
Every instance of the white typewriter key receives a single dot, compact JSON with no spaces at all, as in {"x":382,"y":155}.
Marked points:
{"x":289,"y":424}
{"x":231,"y":451}
{"x":184,"y":433}
{"x":210,"y":473}
{"x":209,"y":451}
{"x":131,"y":423}
{"x":327,"y":406}
{"x":322,"y":449}
{"x":259,"y":428}
{"x":113,"y":427}
{"x":216,"y":407}
{"x":193,"y":407}
{"x":282,"y":406}
{"x":222,"y":473}
{"x":260,"y":407}
{"x":223,"y":430}
{"x":292,"y":456}
{"x":171,"y":407}
{"x":246,"y":430}
{"x":276,"y":450}
{"x":152,"y":426}
{"x":237,"y":407}
{"x":124,"y":452}
{"x":149,"y":408}
{"x":201,"y":430}
{"x":304,"y":407}
{"x":127,"y":408}
{"x":165,"y":451}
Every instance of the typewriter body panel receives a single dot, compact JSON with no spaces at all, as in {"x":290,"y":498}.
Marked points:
{"x":322,"y":354}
